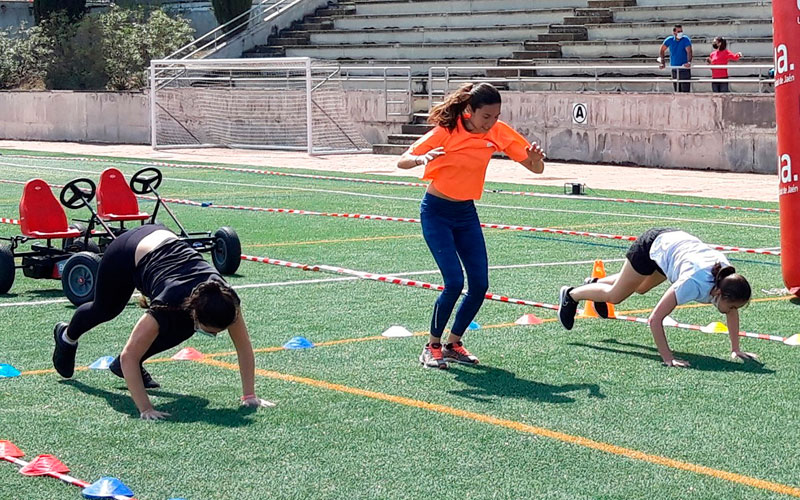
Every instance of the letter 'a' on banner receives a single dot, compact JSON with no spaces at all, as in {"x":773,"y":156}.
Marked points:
{"x":786,"y":40}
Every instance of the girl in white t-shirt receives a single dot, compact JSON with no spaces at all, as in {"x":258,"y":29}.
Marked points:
{"x":696,"y":271}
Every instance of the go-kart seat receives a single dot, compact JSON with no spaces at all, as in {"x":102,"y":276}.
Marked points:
{"x":41,"y":215}
{"x":115,"y":200}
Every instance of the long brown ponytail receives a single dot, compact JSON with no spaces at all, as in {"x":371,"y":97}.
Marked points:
{"x":476,"y":96}
{"x":732,"y":286}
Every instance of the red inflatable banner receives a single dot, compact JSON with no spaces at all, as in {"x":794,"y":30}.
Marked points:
{"x":786,"y":40}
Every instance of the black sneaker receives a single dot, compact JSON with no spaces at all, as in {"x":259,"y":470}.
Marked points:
{"x":63,"y":353}
{"x":567,"y":307}
{"x":600,"y":307}
{"x":116,"y":368}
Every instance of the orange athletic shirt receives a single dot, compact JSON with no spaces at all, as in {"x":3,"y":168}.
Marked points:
{"x":461,"y":171}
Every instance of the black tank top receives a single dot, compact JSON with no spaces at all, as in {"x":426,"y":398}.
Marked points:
{"x":166,"y":276}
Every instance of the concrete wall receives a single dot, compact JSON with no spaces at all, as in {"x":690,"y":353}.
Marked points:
{"x":699,"y":131}
{"x":75,"y":116}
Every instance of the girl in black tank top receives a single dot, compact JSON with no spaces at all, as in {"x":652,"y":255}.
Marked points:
{"x":186,"y":295}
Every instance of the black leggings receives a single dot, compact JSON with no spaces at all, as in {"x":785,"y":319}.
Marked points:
{"x":114,"y":288}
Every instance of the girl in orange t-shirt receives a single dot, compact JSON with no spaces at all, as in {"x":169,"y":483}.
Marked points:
{"x":455,"y":154}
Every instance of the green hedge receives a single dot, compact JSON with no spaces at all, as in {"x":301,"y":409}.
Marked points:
{"x":104,"y":51}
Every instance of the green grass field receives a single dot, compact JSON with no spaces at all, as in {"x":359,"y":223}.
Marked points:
{"x":589,"y":413}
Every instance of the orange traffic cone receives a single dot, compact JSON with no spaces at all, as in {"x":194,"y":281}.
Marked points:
{"x":598,"y":271}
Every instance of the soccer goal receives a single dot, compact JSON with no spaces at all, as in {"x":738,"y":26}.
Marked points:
{"x":276,"y":103}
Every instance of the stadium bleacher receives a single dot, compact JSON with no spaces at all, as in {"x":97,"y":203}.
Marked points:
{"x":613,"y":33}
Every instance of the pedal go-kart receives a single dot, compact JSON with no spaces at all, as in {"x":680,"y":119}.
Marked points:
{"x":116,"y":202}
{"x":76,"y":262}
{"x":43,"y":219}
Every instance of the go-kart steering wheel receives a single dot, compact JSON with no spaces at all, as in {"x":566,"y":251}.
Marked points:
{"x":78,"y":193}
{"x":146,"y":180}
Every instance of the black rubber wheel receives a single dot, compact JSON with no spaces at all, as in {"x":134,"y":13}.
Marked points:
{"x":227,"y":252}
{"x":7,"y":270}
{"x":79,"y":277}
{"x":75,"y":245}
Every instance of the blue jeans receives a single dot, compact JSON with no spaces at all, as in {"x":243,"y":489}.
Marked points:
{"x":453,"y":233}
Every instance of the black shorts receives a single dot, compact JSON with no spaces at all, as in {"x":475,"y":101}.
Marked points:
{"x":639,"y":252}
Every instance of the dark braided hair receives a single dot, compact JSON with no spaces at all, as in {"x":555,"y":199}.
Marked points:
{"x":214,"y":304}
{"x":732,"y":286}
{"x":476,"y":96}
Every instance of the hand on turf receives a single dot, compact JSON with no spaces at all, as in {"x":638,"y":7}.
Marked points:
{"x":677,"y":363}
{"x":430,"y":155}
{"x":256,"y":402}
{"x":153,"y":414}
{"x":744,"y":356}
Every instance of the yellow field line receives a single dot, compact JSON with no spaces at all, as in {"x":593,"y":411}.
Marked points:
{"x":344,"y":240}
{"x":530,"y":429}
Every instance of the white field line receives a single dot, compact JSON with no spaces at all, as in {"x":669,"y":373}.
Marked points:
{"x":403,"y":198}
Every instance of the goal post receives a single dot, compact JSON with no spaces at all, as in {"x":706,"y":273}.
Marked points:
{"x":293,"y":103}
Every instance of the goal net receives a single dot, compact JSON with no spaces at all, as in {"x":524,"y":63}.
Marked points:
{"x":275,"y":103}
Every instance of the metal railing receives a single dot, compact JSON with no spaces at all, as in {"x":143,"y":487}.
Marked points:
{"x":247,"y":23}
{"x":443,"y":79}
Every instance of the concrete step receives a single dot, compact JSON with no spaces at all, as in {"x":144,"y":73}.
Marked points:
{"x":403,"y":139}
{"x":601,"y":4}
{"x":308,"y":26}
{"x":336,"y":11}
{"x":566,"y":28}
{"x":418,"y":118}
{"x":685,"y":10}
{"x":614,"y":67}
{"x":583,"y":20}
{"x":282,"y":40}
{"x":265,"y":51}
{"x":388,"y":149}
{"x":541,"y":46}
{"x":392,"y":20}
{"x":444,"y":7}
{"x":427,"y":35}
{"x":294,"y":33}
{"x":753,"y":47}
{"x":741,"y":28}
{"x":476,"y":51}
{"x":593,"y":12}
{"x":535,"y":54}
{"x":561,"y":37}
{"x":416,"y":128}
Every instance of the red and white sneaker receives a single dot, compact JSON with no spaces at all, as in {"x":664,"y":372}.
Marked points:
{"x":458,"y":353}
{"x":432,"y":357}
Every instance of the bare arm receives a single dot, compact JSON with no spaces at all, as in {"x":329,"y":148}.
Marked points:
{"x":665,"y":306}
{"x":732,"y":320}
{"x":244,"y":352}
{"x":535,"y":160}
{"x":689,"y":55}
{"x":142,"y":337}
{"x":662,"y":53}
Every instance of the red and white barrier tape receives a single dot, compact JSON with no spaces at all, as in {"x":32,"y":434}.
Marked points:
{"x":400,"y":183}
{"x":485,"y":225}
{"x":793,"y":340}
{"x":407,"y":219}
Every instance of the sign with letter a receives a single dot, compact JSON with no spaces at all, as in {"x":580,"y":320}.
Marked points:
{"x":580,"y":114}
{"x":786,"y":40}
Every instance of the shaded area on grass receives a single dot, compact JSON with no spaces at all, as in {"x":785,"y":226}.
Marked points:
{"x":183,"y":408}
{"x":698,"y":361}
{"x":488,"y":381}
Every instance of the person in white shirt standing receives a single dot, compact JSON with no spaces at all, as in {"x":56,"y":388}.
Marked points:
{"x":696,"y":271}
